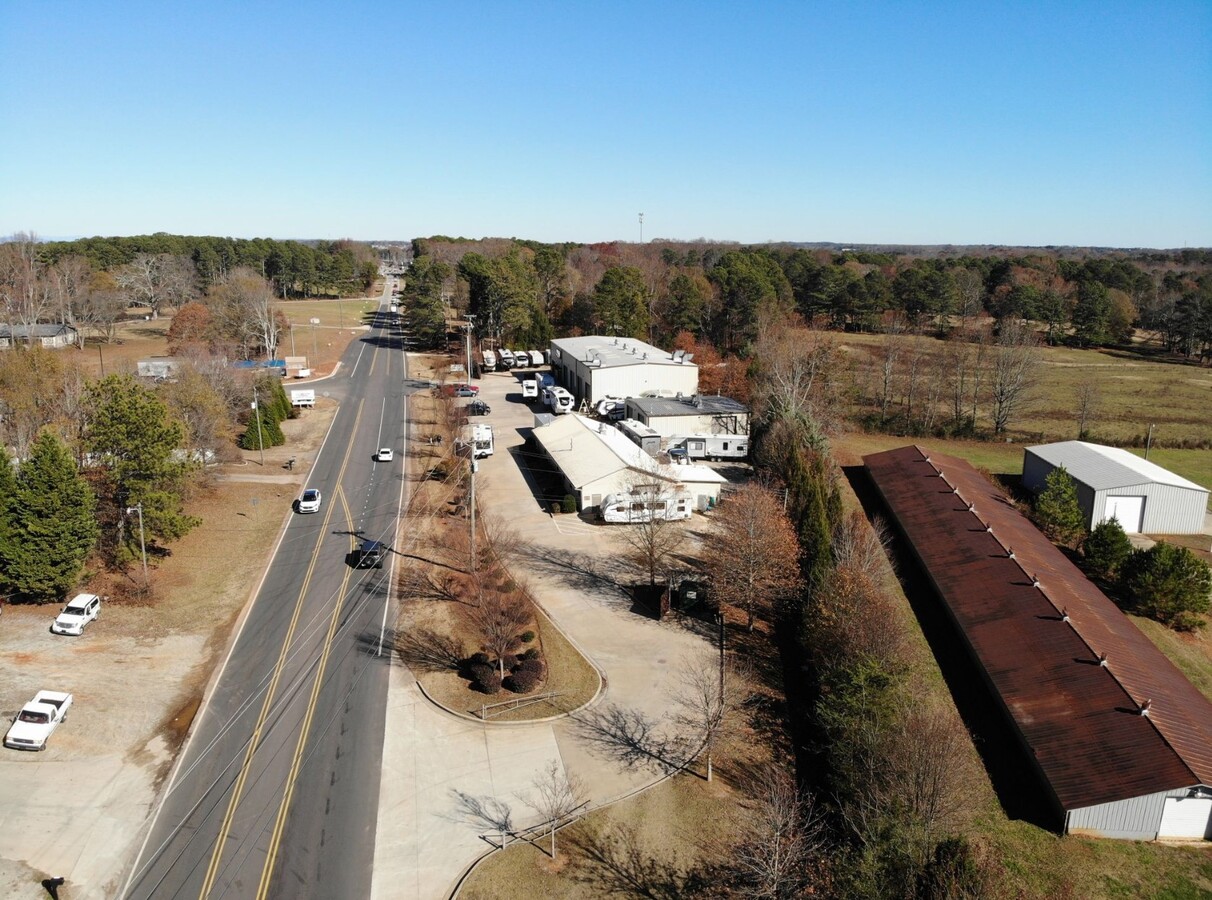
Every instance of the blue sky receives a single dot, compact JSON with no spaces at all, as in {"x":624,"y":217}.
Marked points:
{"x":1023,"y":123}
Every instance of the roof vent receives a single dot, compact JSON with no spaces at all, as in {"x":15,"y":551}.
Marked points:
{"x":972,"y":507}
{"x":989,"y":529}
{"x":1102,"y":660}
{"x":955,"y":490}
{"x":1144,"y":707}
{"x":1009,"y":553}
{"x":1035,"y":581}
{"x":1064,"y":614}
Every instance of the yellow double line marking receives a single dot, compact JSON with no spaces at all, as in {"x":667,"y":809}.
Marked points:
{"x":297,"y":761}
{"x":254,"y":742}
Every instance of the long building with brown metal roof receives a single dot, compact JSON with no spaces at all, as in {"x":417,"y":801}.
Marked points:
{"x":1121,"y":738}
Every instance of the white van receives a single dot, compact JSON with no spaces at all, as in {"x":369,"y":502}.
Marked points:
{"x":530,"y":389}
{"x":559,"y":400}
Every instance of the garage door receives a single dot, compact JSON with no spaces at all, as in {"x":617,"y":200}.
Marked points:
{"x":1129,"y":510}
{"x":1186,"y":817}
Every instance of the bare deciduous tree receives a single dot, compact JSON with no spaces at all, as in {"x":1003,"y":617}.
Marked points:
{"x":1015,"y":370}
{"x":26,"y":292}
{"x":1087,"y":395}
{"x":795,"y":378}
{"x":157,"y":280}
{"x":497,"y":621}
{"x":557,"y":795}
{"x":753,"y":553}
{"x":707,"y":699}
{"x":245,"y":311}
{"x":784,"y":834}
{"x":862,"y":546}
{"x":931,"y":758}
{"x":651,"y":541}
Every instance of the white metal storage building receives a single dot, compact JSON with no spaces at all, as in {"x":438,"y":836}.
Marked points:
{"x":691,"y":414}
{"x":1113,"y":483}
{"x":596,"y":460}
{"x":593,"y":367}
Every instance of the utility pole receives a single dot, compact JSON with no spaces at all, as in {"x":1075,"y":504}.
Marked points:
{"x":470,"y":323}
{"x":260,"y":437}
{"x":292,"y":339}
{"x":138,"y":507}
{"x":1149,"y":440}
{"x":474,"y":466}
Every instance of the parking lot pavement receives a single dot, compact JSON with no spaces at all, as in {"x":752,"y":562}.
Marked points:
{"x":438,"y":769}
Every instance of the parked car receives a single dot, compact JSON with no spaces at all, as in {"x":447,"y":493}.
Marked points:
{"x":371,"y":553}
{"x":478,"y":408}
{"x":38,"y":719}
{"x":460,"y":390}
{"x":80,"y":610}
{"x":309,"y":502}
{"x":385,"y":454}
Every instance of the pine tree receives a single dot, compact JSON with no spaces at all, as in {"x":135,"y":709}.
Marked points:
{"x":1057,"y":509}
{"x":7,"y":486}
{"x":54,"y":526}
{"x":133,"y":439}
{"x":1107,"y":548}
{"x":1169,"y":584}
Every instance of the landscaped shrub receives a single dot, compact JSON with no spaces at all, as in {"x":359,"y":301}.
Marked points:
{"x":570,"y":503}
{"x":1107,"y":548}
{"x":527,"y":637}
{"x":478,"y":659}
{"x":526,"y":675}
{"x":1168,"y":583}
{"x":485,"y":678}
{"x":531,"y":653}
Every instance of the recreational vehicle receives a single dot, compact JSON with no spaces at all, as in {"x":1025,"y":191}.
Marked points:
{"x":506,"y":361}
{"x":521,"y":359}
{"x":638,"y":433}
{"x":530,"y":389}
{"x":559,"y":400}
{"x":536,"y":358}
{"x":490,"y":360}
{"x":645,"y":507}
{"x":711,"y":446}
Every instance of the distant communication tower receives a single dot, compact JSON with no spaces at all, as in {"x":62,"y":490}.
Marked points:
{"x":641,"y":228}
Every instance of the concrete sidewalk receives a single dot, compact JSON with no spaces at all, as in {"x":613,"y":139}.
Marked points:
{"x":446,"y":780}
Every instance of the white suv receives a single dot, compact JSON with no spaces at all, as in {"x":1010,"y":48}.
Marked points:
{"x":80,"y":610}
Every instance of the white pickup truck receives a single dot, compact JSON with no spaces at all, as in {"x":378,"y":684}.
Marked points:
{"x":32,"y":727}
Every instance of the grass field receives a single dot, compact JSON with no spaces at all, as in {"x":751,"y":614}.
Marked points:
{"x":1135,"y":391}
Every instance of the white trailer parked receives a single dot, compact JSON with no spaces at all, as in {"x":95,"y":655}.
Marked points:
{"x":711,"y":446}
{"x":302,"y":399}
{"x":481,"y":441}
{"x":506,"y":361}
{"x":638,"y":433}
{"x":490,"y":360}
{"x":536,"y":358}
{"x":530,"y":389}
{"x":559,"y":400}
{"x":645,"y":507}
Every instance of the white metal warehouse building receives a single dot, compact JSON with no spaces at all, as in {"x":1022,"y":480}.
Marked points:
{"x":1113,"y":483}
{"x":593,"y":367}
{"x":597,"y":460}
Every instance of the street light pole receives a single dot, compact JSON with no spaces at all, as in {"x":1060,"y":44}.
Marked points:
{"x":138,"y":507}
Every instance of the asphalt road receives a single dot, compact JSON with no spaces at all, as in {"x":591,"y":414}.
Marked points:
{"x":276,"y":793}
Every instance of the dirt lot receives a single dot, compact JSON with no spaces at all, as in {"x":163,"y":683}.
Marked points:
{"x":78,"y":809}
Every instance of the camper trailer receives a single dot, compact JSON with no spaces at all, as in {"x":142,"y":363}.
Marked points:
{"x":536,"y":358}
{"x":521,"y":359}
{"x":530,"y":389}
{"x":559,"y":400}
{"x":645,"y":507}
{"x":640,"y":434}
{"x":711,"y":446}
{"x":506,"y":359}
{"x":490,"y":360}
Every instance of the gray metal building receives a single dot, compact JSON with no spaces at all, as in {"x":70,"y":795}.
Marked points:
{"x":691,"y":414}
{"x":1113,"y":483}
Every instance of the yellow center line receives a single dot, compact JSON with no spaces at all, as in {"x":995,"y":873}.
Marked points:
{"x":297,"y":761}
{"x":212,"y":870}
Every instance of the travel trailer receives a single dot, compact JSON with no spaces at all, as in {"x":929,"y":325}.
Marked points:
{"x":506,"y":359}
{"x":711,"y":446}
{"x":530,"y":389}
{"x":646,"y":506}
{"x":559,"y":400}
{"x":638,"y":433}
